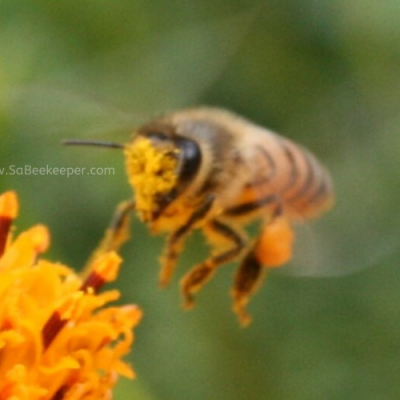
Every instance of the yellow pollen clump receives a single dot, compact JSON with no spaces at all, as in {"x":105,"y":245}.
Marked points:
{"x":152,"y":171}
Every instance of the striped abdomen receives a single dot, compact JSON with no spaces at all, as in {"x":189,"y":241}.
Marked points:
{"x":285,"y":175}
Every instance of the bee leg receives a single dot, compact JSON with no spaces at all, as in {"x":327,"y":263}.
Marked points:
{"x":273,"y":248}
{"x":274,"y":245}
{"x":195,"y":279}
{"x":247,"y":280}
{"x":117,"y":233}
{"x":176,"y":241}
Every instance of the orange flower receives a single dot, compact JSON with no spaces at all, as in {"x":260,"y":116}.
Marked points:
{"x":56,"y":340}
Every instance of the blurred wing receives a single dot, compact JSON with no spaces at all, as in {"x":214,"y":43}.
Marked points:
{"x":356,"y":233}
{"x":168,"y":72}
{"x":319,"y":250}
{"x":50,"y":111}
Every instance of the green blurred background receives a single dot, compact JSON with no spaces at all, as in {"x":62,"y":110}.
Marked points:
{"x":324,"y":73}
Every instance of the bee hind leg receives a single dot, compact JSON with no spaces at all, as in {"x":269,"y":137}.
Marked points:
{"x":197,"y":277}
{"x":273,"y":248}
{"x":274,"y":245}
{"x":247,"y":280}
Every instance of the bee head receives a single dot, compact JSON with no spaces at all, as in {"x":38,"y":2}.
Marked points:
{"x":160,"y":165}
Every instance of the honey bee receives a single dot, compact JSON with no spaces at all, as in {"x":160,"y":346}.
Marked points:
{"x":209,"y":169}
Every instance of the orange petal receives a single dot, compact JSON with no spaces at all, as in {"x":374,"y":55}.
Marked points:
{"x":24,"y":250}
{"x":8,"y":212}
{"x":9,"y":205}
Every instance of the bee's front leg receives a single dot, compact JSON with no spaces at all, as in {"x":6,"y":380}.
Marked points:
{"x":117,"y":233}
{"x":176,"y":240}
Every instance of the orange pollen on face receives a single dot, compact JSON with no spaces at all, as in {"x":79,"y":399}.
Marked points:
{"x":152,"y":172}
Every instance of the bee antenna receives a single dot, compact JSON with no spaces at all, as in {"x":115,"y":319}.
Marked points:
{"x":78,"y":142}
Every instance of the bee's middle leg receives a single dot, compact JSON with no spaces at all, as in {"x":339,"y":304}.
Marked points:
{"x":195,"y":279}
{"x":176,"y":240}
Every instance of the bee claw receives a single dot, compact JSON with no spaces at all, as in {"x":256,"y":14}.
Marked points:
{"x":189,"y":302}
{"x":239,"y":307}
{"x":244,"y":318}
{"x":163,"y":283}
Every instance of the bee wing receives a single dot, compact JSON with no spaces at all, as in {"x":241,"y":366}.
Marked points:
{"x":320,"y":252}
{"x":55,"y":112}
{"x":355,"y":234}
{"x":149,"y":78}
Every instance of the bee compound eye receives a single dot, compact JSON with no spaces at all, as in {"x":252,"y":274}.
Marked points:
{"x":190,"y":159}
